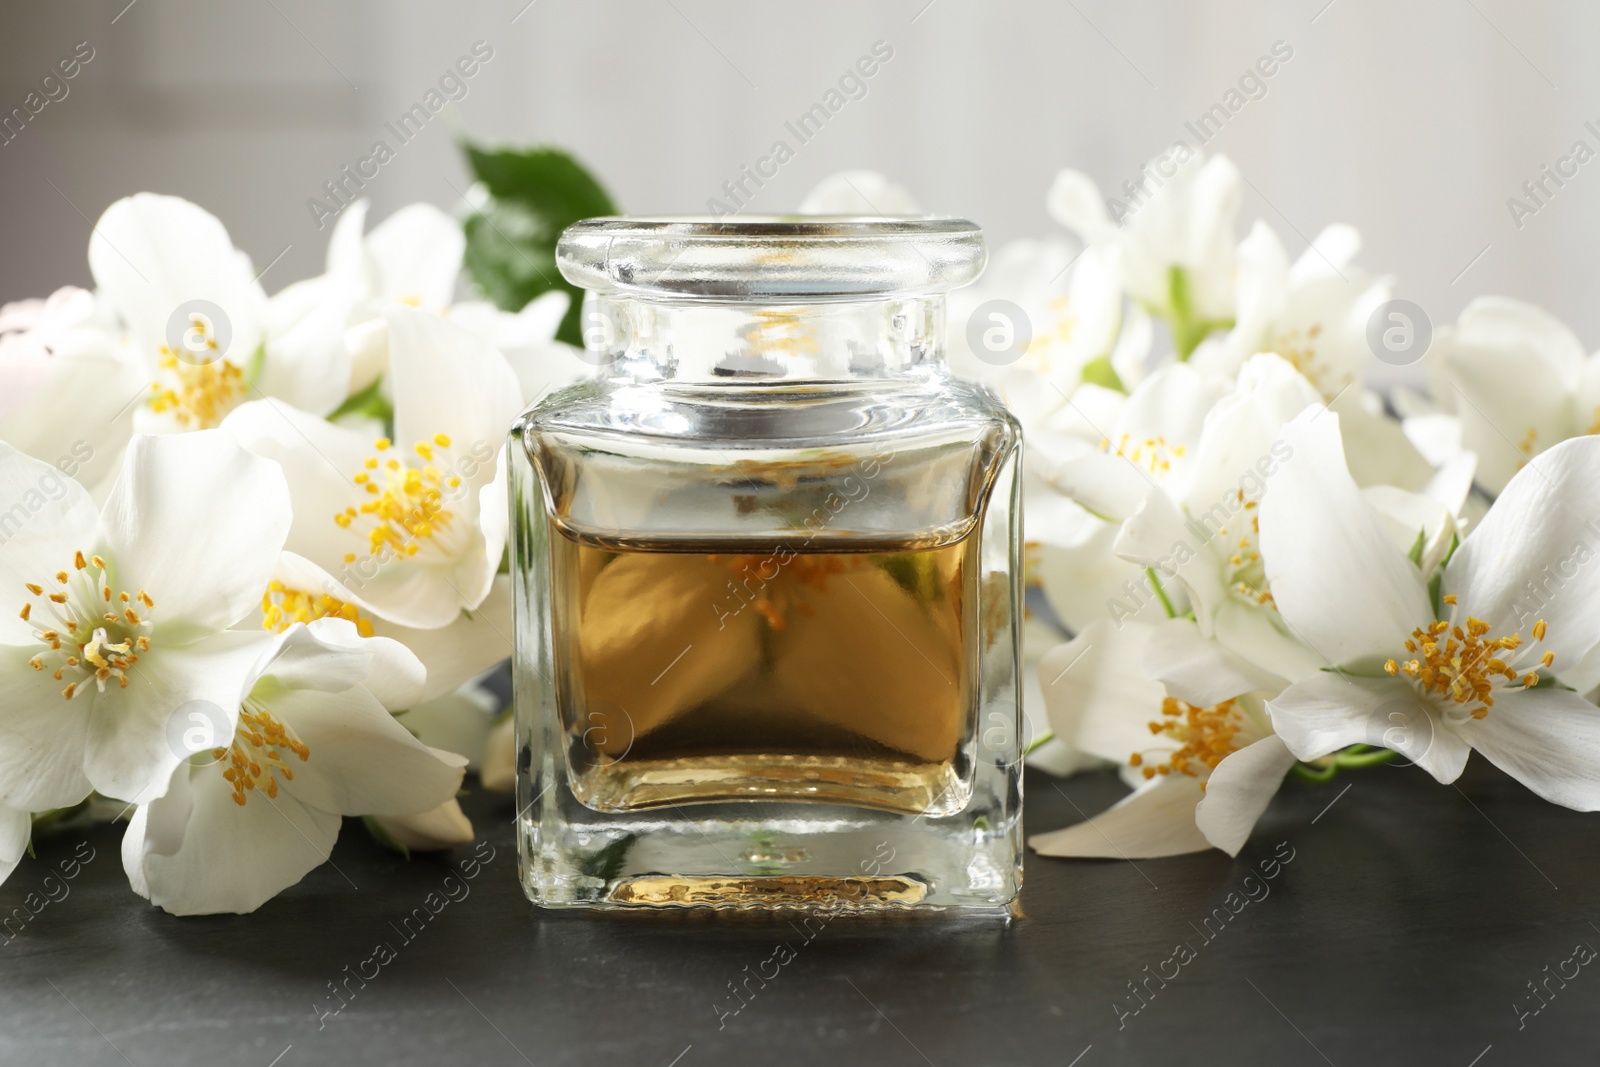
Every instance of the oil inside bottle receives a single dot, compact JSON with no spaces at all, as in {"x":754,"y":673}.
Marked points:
{"x":738,"y":671}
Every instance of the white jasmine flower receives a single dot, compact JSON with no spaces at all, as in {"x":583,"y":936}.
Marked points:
{"x":153,"y":257}
{"x":1518,"y":380}
{"x":413,"y":531}
{"x":1073,"y":320}
{"x":1185,"y":718}
{"x":313,"y":742}
{"x":1434,"y":671}
{"x":1149,"y":442}
{"x":1175,"y":239}
{"x":70,"y":385}
{"x":1202,"y":532}
{"x":1313,"y":313}
{"x":120,"y":617}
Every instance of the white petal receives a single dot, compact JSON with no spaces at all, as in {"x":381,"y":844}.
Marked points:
{"x":1197,"y":670}
{"x":464,"y":649}
{"x":139,"y":735}
{"x":1096,"y":693}
{"x":1262,"y":302}
{"x":1235,"y":450}
{"x":16,"y":826}
{"x":1509,"y":367}
{"x":1172,"y":406}
{"x":418,"y":253}
{"x":150,"y":254}
{"x":1258,"y":636}
{"x":1339,"y":583}
{"x":449,"y":380}
{"x":347,"y":254}
{"x":362,"y":761}
{"x":331,"y":657}
{"x":1547,"y":739}
{"x":1545,"y":530}
{"x":72,"y":402}
{"x":499,"y":771}
{"x":444,"y":827}
{"x":198,"y":522}
{"x":1406,"y":516}
{"x":1239,"y":790}
{"x":45,"y":518}
{"x":231,"y":858}
{"x":1156,"y":820}
{"x":1452,"y":483}
{"x":1110,"y":486}
{"x":1074,"y":201}
{"x":318,"y":461}
{"x":1084,"y":580}
{"x":1157,"y":536}
{"x":450,"y":654}
{"x":1377,"y":450}
{"x":457,"y":722}
{"x":307,"y":364}
{"x":1209,"y":232}
{"x":42,"y":737}
{"x":1324,"y":714}
{"x":1331,"y":251}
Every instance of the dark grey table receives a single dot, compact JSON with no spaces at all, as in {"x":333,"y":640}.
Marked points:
{"x":1404,"y":930}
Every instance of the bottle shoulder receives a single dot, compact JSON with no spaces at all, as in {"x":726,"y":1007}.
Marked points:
{"x":792,"y":415}
{"x":842,"y":463}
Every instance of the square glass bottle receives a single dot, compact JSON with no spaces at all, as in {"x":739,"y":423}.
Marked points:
{"x":767,"y":567}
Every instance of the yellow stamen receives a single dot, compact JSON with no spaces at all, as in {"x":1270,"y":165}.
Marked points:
{"x":1207,"y":736}
{"x":282,"y":607}
{"x":255,"y":760}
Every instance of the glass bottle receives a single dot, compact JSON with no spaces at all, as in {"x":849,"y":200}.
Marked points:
{"x":767,"y":570}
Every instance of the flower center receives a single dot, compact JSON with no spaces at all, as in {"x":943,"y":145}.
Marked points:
{"x":1205,"y":736}
{"x":282,"y":607}
{"x":1299,"y":349}
{"x":1464,"y":666}
{"x":1062,"y":325}
{"x":91,"y":631}
{"x":198,"y":394}
{"x":407,"y":506}
{"x":1245,"y":574}
{"x":1151,"y":453}
{"x":255,"y":760}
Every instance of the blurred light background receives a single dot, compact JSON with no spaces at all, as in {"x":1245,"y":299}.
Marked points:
{"x":1415,"y":122}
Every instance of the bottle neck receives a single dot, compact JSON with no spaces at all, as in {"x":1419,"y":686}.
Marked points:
{"x":731,"y":342}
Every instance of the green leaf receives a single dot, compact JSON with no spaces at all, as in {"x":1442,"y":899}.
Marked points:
{"x":1101,"y":372}
{"x":534,"y":194}
{"x":369,"y":402}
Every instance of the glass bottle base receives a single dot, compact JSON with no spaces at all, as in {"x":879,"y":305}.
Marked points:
{"x":704,"y":857}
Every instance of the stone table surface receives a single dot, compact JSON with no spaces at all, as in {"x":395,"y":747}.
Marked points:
{"x":1402,"y":924}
